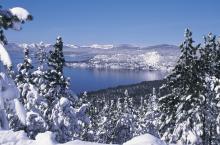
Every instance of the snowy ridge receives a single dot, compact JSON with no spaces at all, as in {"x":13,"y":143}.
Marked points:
{"x":97,"y":46}
{"x":8,"y":137}
{"x":125,"y":56}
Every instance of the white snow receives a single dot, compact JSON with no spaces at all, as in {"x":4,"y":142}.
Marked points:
{"x":8,"y":137}
{"x":46,"y":138}
{"x":20,"y":111}
{"x":191,"y":139}
{"x":63,"y":102}
{"x":99,"y":46}
{"x":4,"y":56}
{"x":151,"y":58}
{"x":71,"y":45}
{"x":21,"y":13}
{"x":145,"y":139}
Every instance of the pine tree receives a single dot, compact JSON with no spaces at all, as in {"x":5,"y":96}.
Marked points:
{"x":57,"y":83}
{"x":41,"y":56}
{"x":208,"y":55}
{"x":217,"y":60}
{"x":152,"y":114}
{"x":35,"y":105}
{"x":106,"y":122}
{"x":62,"y":118}
{"x":24,"y":77}
{"x":192,"y":103}
{"x":8,"y":21}
{"x":209,"y":103}
{"x":185,"y":86}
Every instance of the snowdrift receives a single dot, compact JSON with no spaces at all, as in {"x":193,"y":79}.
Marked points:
{"x":146,"y":139}
{"x":8,"y":137}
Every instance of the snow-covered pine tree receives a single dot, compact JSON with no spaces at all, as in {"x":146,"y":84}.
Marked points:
{"x":180,"y":107}
{"x":217,"y":59}
{"x":209,"y":105}
{"x":11,"y":19}
{"x":41,"y":55}
{"x":114,"y":122}
{"x":141,"y":111}
{"x":152,"y":115}
{"x":57,"y":83}
{"x":63,"y":119}
{"x":40,"y":82}
{"x":35,"y":105}
{"x":106,"y":122}
{"x":217,"y":91}
{"x":147,"y":116}
{"x":208,"y":55}
{"x":24,"y":77}
{"x":124,"y":125}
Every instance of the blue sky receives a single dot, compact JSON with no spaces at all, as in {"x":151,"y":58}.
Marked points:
{"x":139,"y":22}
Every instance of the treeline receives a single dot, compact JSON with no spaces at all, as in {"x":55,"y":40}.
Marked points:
{"x":118,"y":119}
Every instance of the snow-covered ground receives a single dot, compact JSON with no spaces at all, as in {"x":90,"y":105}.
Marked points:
{"x":159,"y":57}
{"x":8,"y":137}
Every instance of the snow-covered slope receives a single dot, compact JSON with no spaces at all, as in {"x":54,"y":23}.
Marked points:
{"x":8,"y":137}
{"x":145,"y":139}
{"x":159,"y":57}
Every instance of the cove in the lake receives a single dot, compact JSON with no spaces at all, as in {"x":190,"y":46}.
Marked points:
{"x":94,"y":79}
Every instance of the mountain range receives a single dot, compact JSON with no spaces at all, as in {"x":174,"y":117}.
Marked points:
{"x":123,"y":56}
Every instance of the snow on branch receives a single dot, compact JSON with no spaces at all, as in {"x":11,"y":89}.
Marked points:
{"x":4,"y":56}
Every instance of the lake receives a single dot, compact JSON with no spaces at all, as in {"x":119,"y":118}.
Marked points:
{"x":94,"y":79}
{"x":83,"y":79}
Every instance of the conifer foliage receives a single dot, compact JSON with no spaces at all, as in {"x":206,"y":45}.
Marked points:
{"x":9,"y":93}
{"x":47,"y":99}
{"x":189,"y":109}
{"x":57,"y":82}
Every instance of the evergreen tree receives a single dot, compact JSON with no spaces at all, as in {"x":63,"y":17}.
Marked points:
{"x":208,"y":55}
{"x":24,"y":77}
{"x":41,"y":56}
{"x":57,"y":83}
{"x":8,"y":21}
{"x":35,"y":105}
{"x":209,"y":103}
{"x":66,"y":121}
{"x":217,"y":60}
{"x":152,"y":115}
{"x":62,"y":117}
{"x":106,"y":122}
{"x":185,"y":86}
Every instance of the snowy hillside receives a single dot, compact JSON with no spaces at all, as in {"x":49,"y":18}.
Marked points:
{"x":159,"y":57}
{"x":47,"y":138}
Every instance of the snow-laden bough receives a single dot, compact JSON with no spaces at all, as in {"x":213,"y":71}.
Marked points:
{"x":22,"y":16}
{"x":4,"y":56}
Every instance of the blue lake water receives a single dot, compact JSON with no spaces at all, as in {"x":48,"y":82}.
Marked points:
{"x":83,"y":79}
{"x":94,"y":79}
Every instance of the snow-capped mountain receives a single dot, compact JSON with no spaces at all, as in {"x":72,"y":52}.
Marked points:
{"x":99,"y":46}
{"x":124,"y":56}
